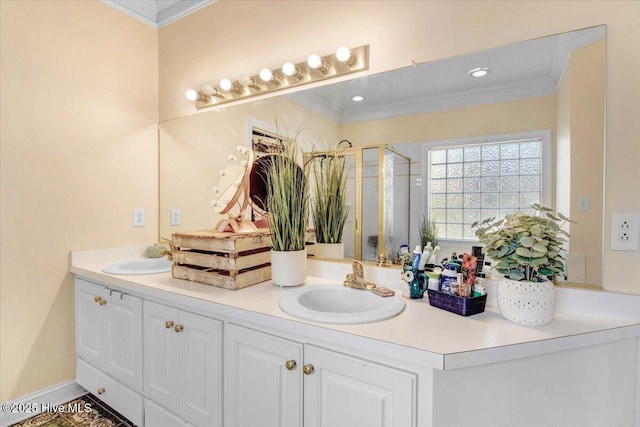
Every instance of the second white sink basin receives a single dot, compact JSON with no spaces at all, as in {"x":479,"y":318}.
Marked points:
{"x":139,"y":266}
{"x":339,"y":305}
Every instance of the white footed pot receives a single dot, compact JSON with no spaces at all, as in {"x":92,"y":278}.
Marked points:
{"x":329,"y":250}
{"x":288,"y":268}
{"x":526,"y":303}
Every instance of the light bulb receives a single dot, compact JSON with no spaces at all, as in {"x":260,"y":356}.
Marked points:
{"x":247,"y":81}
{"x":266,"y":74}
{"x":288,"y":69}
{"x":244,"y":163}
{"x":216,"y":190}
{"x":232,"y":158}
{"x":226,"y":84}
{"x":208,"y":90}
{"x":239,"y":148}
{"x":314,"y":61}
{"x":222,"y":172}
{"x":343,"y":54}
{"x":192,"y":95}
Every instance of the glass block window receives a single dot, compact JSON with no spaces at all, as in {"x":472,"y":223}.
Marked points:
{"x":471,"y":182}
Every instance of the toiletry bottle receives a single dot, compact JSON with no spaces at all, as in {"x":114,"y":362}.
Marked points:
{"x":426,"y":253}
{"x":447,"y":278}
{"x":478,"y":288}
{"x":434,"y":255}
{"x":434,"y":281}
{"x":415,"y":259}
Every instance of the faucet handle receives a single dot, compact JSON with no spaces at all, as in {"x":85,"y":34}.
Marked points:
{"x":358,"y":268}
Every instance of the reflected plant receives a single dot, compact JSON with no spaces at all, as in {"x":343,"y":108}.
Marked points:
{"x":428,"y":232}
{"x":329,"y":201}
{"x":526,"y":247}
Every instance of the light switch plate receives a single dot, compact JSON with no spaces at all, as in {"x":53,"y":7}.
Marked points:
{"x":583,"y":204}
{"x":176,"y":217}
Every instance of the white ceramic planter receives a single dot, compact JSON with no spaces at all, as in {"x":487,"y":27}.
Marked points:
{"x":288,"y":268}
{"x":329,"y":250}
{"x":526,"y":303}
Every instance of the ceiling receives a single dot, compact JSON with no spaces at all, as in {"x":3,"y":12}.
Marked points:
{"x":157,"y":13}
{"x":519,"y":70}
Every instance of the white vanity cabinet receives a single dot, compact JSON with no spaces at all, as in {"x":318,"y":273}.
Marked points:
{"x":276,"y":382}
{"x":109,"y":346}
{"x":182,"y":363}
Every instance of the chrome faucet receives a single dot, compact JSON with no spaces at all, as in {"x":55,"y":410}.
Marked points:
{"x":356,"y":280}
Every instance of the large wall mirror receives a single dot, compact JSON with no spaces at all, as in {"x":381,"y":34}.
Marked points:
{"x":550,"y":89}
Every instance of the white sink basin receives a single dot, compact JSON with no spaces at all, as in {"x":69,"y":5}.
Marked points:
{"x":339,"y":305}
{"x":139,"y":266}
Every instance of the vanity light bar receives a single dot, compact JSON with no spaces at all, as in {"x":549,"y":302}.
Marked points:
{"x":344,"y":61}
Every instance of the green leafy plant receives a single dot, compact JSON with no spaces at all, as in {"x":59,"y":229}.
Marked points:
{"x":329,"y":200}
{"x":428,"y":232}
{"x":526,"y":247}
{"x":287,"y":197}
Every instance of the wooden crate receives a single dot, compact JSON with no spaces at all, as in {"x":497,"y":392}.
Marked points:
{"x":226,"y":260}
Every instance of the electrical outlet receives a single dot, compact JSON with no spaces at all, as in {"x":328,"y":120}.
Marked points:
{"x":625,"y":232}
{"x":138,"y":217}
{"x":176,"y":217}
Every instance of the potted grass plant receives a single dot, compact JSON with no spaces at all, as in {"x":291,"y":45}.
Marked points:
{"x":329,"y":203}
{"x":528,"y":253}
{"x":287,"y":204}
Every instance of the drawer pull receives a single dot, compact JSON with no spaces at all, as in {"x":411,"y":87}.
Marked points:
{"x":101,"y":390}
{"x":290,"y":364}
{"x":178,"y":328}
{"x":100,"y":300}
{"x":168,"y":324}
{"x":308,"y":369}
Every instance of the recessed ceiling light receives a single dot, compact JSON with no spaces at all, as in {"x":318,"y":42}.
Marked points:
{"x":479,"y":72}
{"x":357,"y":98}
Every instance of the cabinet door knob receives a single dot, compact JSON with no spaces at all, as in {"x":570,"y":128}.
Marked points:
{"x":178,"y":328}
{"x":308,"y":369}
{"x":101,"y":390}
{"x":102,"y":301}
{"x":290,"y":364}
{"x":168,"y":324}
{"x":97,"y":298}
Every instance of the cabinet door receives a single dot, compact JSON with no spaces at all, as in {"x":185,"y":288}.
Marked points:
{"x":89,"y":321}
{"x":199,"y":369}
{"x":123,"y":323}
{"x":260,"y":389}
{"x":161,"y":354}
{"x":345,"y":391}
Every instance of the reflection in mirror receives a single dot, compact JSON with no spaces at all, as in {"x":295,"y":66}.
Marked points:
{"x":553,"y":84}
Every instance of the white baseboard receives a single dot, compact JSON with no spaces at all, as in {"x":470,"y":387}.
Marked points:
{"x":27,"y":406}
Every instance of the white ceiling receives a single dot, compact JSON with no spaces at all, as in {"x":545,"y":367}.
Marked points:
{"x":157,"y":13}
{"x":520,"y":70}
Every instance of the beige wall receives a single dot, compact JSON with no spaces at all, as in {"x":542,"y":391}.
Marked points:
{"x":232,"y":38}
{"x":78,"y":153}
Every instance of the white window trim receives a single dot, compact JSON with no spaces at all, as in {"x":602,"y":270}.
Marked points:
{"x":546,"y":165}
